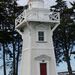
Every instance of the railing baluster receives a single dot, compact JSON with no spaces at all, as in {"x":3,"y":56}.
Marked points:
{"x":53,"y":17}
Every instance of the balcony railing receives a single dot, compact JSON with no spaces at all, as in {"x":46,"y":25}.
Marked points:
{"x":53,"y":17}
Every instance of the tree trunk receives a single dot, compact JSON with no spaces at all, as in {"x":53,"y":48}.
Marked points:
{"x":17,"y":60}
{"x":4,"y":64}
{"x":69,"y":67}
{"x":66,"y":53}
{"x":14,"y":58}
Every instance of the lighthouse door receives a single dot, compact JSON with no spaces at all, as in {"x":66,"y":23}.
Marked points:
{"x":43,"y":68}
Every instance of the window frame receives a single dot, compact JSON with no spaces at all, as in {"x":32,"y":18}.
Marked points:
{"x":41,"y":36}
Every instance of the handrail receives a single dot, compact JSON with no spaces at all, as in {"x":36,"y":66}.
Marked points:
{"x":53,"y":17}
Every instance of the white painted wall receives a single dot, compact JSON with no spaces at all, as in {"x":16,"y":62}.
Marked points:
{"x":33,"y":49}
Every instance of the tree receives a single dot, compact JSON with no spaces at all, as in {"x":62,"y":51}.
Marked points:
{"x":64,"y":35}
{"x":14,"y":41}
{"x":8,"y":36}
{"x":4,"y":41}
{"x":73,"y":9}
{"x":73,"y":17}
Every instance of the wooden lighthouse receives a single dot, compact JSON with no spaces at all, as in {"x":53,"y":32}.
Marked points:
{"x":36,"y":25}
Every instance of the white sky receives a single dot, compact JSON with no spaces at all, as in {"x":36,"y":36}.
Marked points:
{"x":48,"y":3}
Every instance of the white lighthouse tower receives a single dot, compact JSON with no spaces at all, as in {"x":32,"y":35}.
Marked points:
{"x":36,"y":25}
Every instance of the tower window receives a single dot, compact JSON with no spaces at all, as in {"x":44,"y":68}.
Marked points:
{"x":40,"y":36}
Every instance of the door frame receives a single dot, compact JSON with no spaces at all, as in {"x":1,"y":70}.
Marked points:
{"x":47,"y":64}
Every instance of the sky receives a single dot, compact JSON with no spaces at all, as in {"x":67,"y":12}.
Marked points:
{"x":48,"y":3}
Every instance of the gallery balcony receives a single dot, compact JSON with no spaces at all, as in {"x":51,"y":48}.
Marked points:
{"x":41,"y":15}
